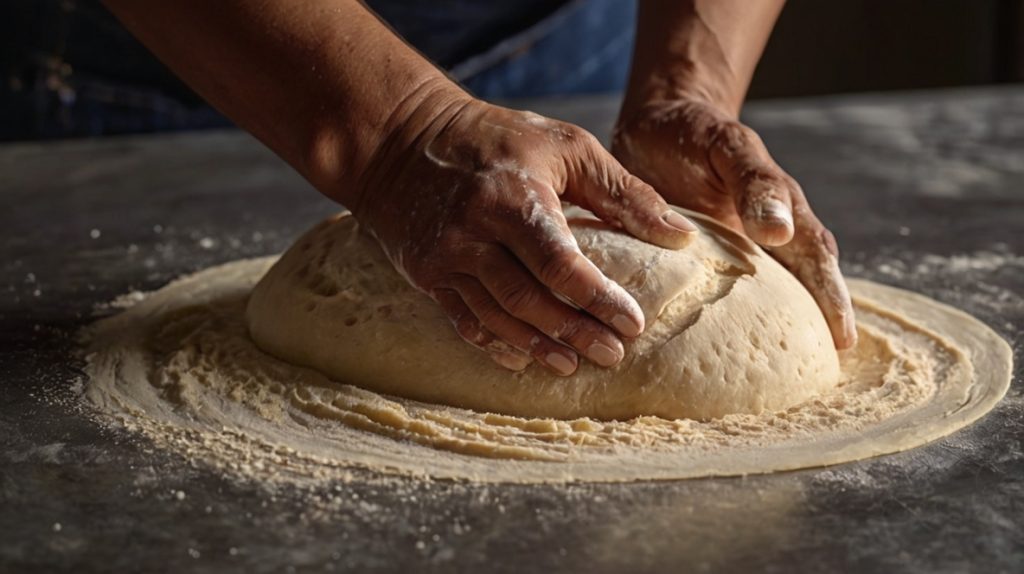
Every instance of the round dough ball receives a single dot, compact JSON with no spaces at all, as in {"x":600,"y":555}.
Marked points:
{"x":729,"y":330}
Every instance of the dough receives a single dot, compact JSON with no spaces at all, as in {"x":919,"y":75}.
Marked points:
{"x":179,"y":368}
{"x":729,"y":330}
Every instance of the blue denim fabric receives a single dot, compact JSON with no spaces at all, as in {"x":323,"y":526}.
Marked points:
{"x":521,"y":49}
{"x":450,"y":31}
{"x":70,"y":70}
{"x":584,"y":47}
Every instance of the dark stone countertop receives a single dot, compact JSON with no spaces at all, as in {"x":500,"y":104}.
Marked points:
{"x":924,"y":191}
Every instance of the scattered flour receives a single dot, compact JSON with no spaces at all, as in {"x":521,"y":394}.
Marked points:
{"x":982,"y":280}
{"x":179,"y":368}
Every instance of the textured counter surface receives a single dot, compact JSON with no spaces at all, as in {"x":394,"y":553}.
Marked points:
{"x":924,"y":191}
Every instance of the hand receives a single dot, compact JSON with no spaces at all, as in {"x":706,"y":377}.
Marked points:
{"x":700,"y":157}
{"x":465,"y":198}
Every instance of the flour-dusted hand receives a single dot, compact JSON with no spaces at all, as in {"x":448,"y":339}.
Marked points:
{"x":702,"y":158}
{"x":465,"y":198}
{"x":679,"y":131}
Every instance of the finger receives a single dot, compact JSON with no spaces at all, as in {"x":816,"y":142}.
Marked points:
{"x":813,"y":257}
{"x":558,"y":358}
{"x":820,"y":273}
{"x":834,"y":300}
{"x":761,"y":190}
{"x":598,"y":182}
{"x":547,"y":248}
{"x":522,"y":296}
{"x":470,"y":329}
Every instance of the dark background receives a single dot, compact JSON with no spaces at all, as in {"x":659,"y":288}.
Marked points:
{"x":70,"y":70}
{"x":872,"y":45}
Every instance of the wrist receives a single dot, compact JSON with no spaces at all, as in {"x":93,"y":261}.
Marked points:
{"x":681,"y":81}
{"x":694,"y":49}
{"x":414,"y":121}
{"x":347,"y":144}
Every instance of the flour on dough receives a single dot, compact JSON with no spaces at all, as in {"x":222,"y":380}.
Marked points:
{"x":729,"y":330}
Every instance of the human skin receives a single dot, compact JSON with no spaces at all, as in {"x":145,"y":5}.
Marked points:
{"x":464,"y":197}
{"x":678,"y":130}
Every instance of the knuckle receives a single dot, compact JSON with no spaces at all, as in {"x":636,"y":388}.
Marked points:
{"x":732,"y":136}
{"x":623,"y":184}
{"x":588,"y":139}
{"x":796,"y":191}
{"x":445,"y":287}
{"x":569,"y":330}
{"x":570,"y":131}
{"x":617,"y":192}
{"x":638,"y":186}
{"x":788,"y":187}
{"x":559,"y":269}
{"x":828,"y":242}
{"x":725,"y":131}
{"x":489,"y":314}
{"x":758,"y":171}
{"x":577,"y":135}
{"x":518,"y":297}
{"x":642,"y":197}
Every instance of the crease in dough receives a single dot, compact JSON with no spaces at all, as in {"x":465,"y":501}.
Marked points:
{"x":729,"y":330}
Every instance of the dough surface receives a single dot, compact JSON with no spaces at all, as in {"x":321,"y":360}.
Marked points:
{"x":729,"y":330}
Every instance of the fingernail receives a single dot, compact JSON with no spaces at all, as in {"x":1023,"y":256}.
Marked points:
{"x":774,"y":210}
{"x":512,"y":362}
{"x":627,"y":325}
{"x":677,"y":221}
{"x":560,"y":363}
{"x":603,"y":355}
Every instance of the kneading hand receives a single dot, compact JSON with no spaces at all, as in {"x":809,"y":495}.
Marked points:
{"x":465,"y":198}
{"x":702,"y":158}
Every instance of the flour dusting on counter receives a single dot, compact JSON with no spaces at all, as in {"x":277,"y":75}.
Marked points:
{"x":180,"y":368}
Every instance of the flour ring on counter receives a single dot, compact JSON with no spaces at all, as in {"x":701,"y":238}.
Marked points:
{"x":729,"y":330}
{"x":179,"y":368}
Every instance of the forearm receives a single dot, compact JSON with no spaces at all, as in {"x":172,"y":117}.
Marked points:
{"x":704,"y":48}
{"x":318,"y":81}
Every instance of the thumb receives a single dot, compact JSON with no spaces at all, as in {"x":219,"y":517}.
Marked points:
{"x":598,"y":182}
{"x":761,"y":190}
